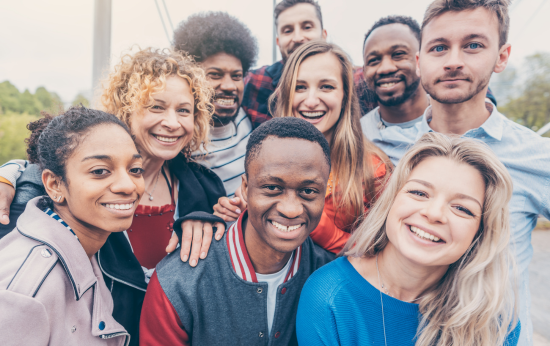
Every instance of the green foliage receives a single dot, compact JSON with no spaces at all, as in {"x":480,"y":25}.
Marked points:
{"x":11,"y":100}
{"x":81,"y":99}
{"x":13,"y":131}
{"x":531,"y":107}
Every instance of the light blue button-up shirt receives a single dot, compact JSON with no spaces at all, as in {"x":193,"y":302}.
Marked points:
{"x":527,"y":157}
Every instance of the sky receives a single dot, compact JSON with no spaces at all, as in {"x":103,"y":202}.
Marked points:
{"x":49,"y":42}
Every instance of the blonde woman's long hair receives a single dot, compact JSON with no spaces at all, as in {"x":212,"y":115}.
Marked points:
{"x":475,"y":302}
{"x":353,"y":170}
{"x":140,"y":75}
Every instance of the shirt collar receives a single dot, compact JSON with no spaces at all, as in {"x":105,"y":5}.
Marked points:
{"x":493,"y":126}
{"x":275,"y":71}
{"x":239,"y":255}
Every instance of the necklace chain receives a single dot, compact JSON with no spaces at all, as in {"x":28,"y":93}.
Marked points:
{"x":154,"y":187}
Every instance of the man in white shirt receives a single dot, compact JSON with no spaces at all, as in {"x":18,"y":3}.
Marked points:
{"x":226,"y":50}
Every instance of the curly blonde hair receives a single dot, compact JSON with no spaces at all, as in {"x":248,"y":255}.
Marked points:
{"x":138,"y":76}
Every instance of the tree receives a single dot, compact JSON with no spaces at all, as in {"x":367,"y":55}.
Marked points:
{"x":81,"y":99}
{"x":13,"y":131}
{"x":532,"y":107}
{"x":51,"y":102}
{"x":11,"y":100}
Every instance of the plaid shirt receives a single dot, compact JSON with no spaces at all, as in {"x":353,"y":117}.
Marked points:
{"x":261,"y":83}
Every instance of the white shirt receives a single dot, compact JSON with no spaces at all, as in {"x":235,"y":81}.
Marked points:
{"x":273,"y":282}
{"x":226,"y":151}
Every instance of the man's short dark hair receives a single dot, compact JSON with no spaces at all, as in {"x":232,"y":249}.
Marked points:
{"x":205,"y":34}
{"x":286,"y":4}
{"x":287,"y":127}
{"x":408,"y":21}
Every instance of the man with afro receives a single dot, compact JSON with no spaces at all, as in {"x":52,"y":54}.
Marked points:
{"x":226,"y":49}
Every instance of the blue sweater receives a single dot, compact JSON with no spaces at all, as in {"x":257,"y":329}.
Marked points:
{"x":339,"y":307}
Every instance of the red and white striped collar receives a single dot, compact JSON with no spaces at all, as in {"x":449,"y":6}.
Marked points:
{"x":239,"y":255}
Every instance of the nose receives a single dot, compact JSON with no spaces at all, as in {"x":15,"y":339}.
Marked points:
{"x":170,"y":120}
{"x":298,"y":36}
{"x":290,"y":207}
{"x":454,"y":61}
{"x":228,"y":84}
{"x":312,"y":100}
{"x":434,"y":211}
{"x":124,"y":184}
{"x":386,"y":66}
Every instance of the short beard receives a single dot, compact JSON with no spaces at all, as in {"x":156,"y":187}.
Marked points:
{"x":410,"y":91}
{"x":483,"y":82}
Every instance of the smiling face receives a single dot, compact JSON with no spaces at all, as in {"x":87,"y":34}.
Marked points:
{"x":390,"y":63}
{"x":166,"y":127}
{"x":460,"y":51}
{"x":285,"y":191}
{"x":297,"y":25}
{"x":436,"y":215}
{"x":225,"y":74}
{"x":103,"y":181}
{"x":319,"y":92}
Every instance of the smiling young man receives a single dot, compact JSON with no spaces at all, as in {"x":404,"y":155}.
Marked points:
{"x":225,"y":49}
{"x":246,"y":291}
{"x":463,"y":43}
{"x":297,"y":22}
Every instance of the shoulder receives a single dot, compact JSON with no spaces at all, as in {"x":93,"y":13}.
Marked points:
{"x":378,"y":165}
{"x":317,"y":255}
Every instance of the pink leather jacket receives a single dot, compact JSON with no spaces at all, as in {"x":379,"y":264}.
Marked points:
{"x":50,"y":292}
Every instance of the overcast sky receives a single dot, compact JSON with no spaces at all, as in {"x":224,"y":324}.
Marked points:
{"x":49,"y":42}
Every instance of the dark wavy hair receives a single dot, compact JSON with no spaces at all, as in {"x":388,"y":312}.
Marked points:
{"x":54,"y":139}
{"x":405,"y":20}
{"x":205,"y":34}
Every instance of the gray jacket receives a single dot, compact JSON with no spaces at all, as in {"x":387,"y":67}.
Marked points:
{"x":217,"y":307}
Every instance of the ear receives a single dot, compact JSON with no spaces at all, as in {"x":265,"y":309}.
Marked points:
{"x":244,"y":188}
{"x":277,"y":41}
{"x":418,"y":63}
{"x":52,"y":185}
{"x":503,"y":56}
{"x":324,"y":35}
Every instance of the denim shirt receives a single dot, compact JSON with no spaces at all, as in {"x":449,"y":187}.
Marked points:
{"x":527,"y":157}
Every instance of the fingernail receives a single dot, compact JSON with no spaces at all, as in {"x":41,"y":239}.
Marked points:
{"x":185,"y":258}
{"x":218,"y":237}
{"x":193,"y":263}
{"x":238,"y":211}
{"x":203,"y":255}
{"x":234,"y":200}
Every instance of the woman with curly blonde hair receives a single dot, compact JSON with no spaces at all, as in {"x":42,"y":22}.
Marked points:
{"x":430,"y":264}
{"x":164,"y":98}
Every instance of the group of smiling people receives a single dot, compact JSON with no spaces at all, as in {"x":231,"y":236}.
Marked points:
{"x":198,"y":204}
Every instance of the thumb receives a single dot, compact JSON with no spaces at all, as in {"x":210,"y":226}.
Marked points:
{"x":172,"y":244}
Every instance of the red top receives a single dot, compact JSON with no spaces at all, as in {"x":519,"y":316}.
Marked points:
{"x":328,"y":234}
{"x":151,"y":231}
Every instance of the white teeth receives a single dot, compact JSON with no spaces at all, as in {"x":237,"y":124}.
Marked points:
{"x":225,"y":102}
{"x":166,"y":139}
{"x":424,"y":235}
{"x":285,"y":228}
{"x":119,"y":206}
{"x":387,"y":85}
{"x":312,"y":114}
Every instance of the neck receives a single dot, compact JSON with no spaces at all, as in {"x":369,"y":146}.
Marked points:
{"x":91,"y":238}
{"x":405,"y":280}
{"x":264,"y":258}
{"x":151,"y":166}
{"x":409,"y":110}
{"x":458,"y":118}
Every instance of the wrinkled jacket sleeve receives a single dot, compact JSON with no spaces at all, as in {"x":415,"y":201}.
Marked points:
{"x":23,"y":320}
{"x":12,"y":170}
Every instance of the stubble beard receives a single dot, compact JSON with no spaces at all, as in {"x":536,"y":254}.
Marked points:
{"x":472,"y":91}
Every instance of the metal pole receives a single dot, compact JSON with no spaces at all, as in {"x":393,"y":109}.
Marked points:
{"x":102,"y":43}
{"x":274,"y":34}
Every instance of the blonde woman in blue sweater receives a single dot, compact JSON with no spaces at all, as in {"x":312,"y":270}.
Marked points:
{"x":430,"y":264}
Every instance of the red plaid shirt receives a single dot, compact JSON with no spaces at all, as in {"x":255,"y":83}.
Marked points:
{"x":261,"y":83}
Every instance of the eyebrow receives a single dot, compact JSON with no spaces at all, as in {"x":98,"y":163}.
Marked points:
{"x":98,"y":157}
{"x":437,"y":40}
{"x":472,"y":36}
{"x":107,"y":157}
{"x":164,"y":102}
{"x":222,"y":70}
{"x":394,"y":47}
{"x":458,"y":195}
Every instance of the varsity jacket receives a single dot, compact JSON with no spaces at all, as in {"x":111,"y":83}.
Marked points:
{"x":220,"y":301}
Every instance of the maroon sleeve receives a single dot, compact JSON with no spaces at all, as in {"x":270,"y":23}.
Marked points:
{"x":160,"y":323}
